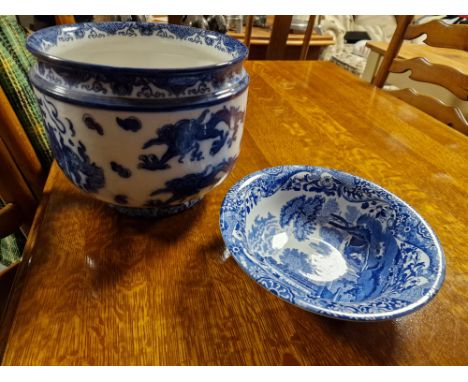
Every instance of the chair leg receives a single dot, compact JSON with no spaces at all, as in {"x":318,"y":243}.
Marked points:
{"x":248,"y":30}
{"x":307,"y":36}
{"x":279,"y":37}
{"x":392,"y":50}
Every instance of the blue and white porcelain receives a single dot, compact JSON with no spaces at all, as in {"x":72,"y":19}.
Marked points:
{"x":146,"y":117}
{"x":332,"y":243}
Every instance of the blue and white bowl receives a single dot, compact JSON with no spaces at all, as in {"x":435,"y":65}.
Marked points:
{"x":332,"y":243}
{"x":147,"y":117}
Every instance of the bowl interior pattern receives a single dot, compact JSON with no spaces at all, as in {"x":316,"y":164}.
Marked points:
{"x":332,"y":243}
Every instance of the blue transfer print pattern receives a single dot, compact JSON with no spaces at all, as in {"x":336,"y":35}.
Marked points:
{"x":121,"y":170}
{"x":276,"y":288}
{"x":121,"y":199}
{"x":142,"y":87}
{"x":294,"y":258}
{"x":303,"y":213}
{"x":92,"y":124}
{"x":183,"y":137}
{"x":71,"y":157}
{"x":352,"y":250}
{"x":132,"y":124}
{"x":177,"y":194}
{"x":190,"y":185}
{"x":51,"y":37}
{"x":125,"y":83}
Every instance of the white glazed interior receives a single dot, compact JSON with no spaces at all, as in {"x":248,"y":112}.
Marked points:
{"x":151,"y":52}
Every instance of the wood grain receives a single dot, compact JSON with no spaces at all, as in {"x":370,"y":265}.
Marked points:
{"x":260,"y":39}
{"x":10,"y":291}
{"x":279,"y":37}
{"x":422,"y":70}
{"x":440,"y":34}
{"x":64,"y":19}
{"x":20,"y":148}
{"x":451,"y":116}
{"x":98,"y":288}
{"x":262,"y":35}
{"x":437,"y":56}
{"x":11,"y":219}
{"x":13,"y":188}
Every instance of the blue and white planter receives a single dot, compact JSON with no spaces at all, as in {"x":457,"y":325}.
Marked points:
{"x":146,"y":117}
{"x":332,"y":243}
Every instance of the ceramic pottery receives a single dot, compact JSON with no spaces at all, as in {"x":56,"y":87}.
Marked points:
{"x":332,"y":243}
{"x":146,"y":117}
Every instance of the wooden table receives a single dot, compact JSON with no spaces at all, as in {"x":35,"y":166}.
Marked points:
{"x":261,"y":38}
{"x":99,"y":288}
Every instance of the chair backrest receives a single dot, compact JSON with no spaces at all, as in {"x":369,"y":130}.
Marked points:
{"x":441,"y":35}
{"x":279,"y":37}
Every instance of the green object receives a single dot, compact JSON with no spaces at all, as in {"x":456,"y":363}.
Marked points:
{"x":11,"y":248}
{"x":15,"y":62}
{"x":13,"y":38}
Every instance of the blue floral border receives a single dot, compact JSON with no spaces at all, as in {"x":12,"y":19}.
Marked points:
{"x":134,"y":88}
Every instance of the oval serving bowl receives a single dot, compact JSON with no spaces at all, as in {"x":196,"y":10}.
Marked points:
{"x":146,"y":117}
{"x":332,"y":243}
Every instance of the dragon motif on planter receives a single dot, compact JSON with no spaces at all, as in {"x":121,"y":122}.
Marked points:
{"x":183,"y":137}
{"x":191,"y":184}
{"x":70,"y":155}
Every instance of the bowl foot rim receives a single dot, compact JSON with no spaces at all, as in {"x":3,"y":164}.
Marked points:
{"x":154,"y":212}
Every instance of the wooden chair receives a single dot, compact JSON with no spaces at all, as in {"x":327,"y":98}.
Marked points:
{"x":16,"y":217}
{"x":439,"y":35}
{"x":279,"y":37}
{"x":19,"y":202}
{"x":18,"y":122}
{"x":19,"y":147}
{"x":22,"y":178}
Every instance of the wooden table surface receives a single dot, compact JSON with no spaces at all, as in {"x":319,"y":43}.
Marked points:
{"x":454,"y":58}
{"x":96,"y":287}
